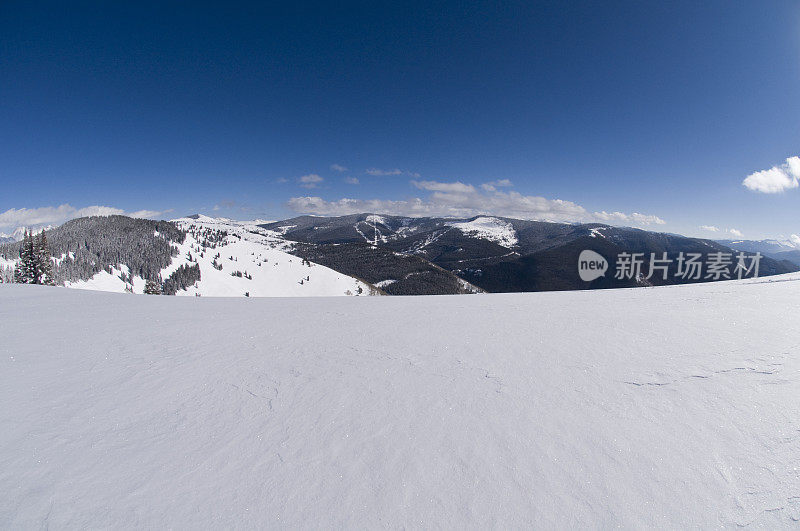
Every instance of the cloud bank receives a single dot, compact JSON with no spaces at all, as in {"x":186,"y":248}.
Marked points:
{"x":777,"y":179}
{"x":457,"y":199}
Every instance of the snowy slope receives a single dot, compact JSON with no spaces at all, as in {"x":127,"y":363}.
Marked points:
{"x":487,"y":228}
{"x":668,"y":407}
{"x":258,"y":254}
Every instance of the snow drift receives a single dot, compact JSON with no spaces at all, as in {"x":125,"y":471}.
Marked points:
{"x":668,"y":407}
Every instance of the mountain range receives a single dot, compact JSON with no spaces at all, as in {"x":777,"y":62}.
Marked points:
{"x":503,"y":254}
{"x":369,"y":254}
{"x":779,"y":250}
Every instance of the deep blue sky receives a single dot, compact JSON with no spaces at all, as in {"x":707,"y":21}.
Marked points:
{"x":661,"y":108}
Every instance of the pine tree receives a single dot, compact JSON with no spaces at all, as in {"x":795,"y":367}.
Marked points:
{"x":26,"y":271}
{"x":152,"y":287}
{"x":43,"y":261}
{"x":19,"y":275}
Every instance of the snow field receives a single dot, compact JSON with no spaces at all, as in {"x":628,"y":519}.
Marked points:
{"x":668,"y":407}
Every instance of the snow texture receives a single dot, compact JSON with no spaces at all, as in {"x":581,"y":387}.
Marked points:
{"x":492,"y":229}
{"x":673,"y":407}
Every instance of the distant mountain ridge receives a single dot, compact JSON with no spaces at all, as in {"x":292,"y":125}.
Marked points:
{"x":776,"y":249}
{"x":503,"y":254}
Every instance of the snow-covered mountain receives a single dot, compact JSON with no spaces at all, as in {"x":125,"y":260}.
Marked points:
{"x":236,"y":259}
{"x":267,"y":269}
{"x":665,"y":408}
{"x":18,"y":233}
{"x":195,"y":256}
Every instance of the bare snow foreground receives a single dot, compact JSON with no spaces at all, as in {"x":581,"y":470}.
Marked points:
{"x":670,"y":407}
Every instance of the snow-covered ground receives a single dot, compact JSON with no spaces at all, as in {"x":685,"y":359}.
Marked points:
{"x":488,"y":228}
{"x":259,"y":256}
{"x":668,"y":407}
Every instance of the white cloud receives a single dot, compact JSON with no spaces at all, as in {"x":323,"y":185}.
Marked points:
{"x":644,"y":219}
{"x":321,"y":207}
{"x":776,"y":179}
{"x":622,"y":218}
{"x":709,"y":228}
{"x":795,"y":239}
{"x":381,"y":173}
{"x":148,"y":214}
{"x":99,"y":211}
{"x":35,"y":217}
{"x":457,"y":199}
{"x":351,"y":180}
{"x":310,"y":181}
{"x":792,"y":165}
{"x":436,"y":186}
{"x":338,"y":167}
{"x":735,"y":232}
{"x":492,"y":186}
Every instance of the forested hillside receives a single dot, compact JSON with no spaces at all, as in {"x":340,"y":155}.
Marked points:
{"x":83,"y":247}
{"x":394,"y":273}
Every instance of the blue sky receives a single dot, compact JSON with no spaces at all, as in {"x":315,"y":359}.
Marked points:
{"x":553,"y":110}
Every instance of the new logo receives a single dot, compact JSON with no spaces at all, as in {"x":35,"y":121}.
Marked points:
{"x":591,"y":265}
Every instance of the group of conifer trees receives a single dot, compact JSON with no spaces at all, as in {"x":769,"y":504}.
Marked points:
{"x":35,"y":264}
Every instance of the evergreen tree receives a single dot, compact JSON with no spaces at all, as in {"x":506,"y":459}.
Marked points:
{"x":27,"y":271}
{"x":152,"y":287}
{"x":19,"y":275}
{"x":182,"y":278}
{"x":43,"y":261}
